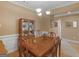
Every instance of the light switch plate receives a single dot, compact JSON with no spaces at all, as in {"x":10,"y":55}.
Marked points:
{"x":0,"y":25}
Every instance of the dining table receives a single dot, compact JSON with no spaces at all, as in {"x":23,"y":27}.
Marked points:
{"x":41,"y":46}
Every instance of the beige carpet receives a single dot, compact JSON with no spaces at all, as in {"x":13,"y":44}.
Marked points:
{"x":14,"y":54}
{"x":68,"y":49}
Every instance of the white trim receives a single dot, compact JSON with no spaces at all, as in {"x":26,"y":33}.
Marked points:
{"x":70,"y":40}
{"x":66,"y":14}
{"x":18,"y":4}
{"x":10,"y":42}
{"x":59,"y":28}
{"x":6,"y":36}
{"x":32,"y":9}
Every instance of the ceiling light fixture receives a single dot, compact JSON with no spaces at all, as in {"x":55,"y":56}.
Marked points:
{"x":47,"y":12}
{"x":38,"y":10}
{"x":39,"y":14}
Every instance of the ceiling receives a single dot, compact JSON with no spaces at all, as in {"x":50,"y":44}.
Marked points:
{"x":44,"y":5}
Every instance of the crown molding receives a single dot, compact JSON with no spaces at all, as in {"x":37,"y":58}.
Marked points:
{"x":66,"y":14}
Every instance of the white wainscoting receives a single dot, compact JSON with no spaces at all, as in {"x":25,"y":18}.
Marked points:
{"x":10,"y":42}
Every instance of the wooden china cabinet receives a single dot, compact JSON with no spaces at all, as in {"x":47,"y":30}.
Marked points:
{"x":25,"y":26}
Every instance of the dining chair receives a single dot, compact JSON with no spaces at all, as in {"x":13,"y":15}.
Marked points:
{"x":23,"y":49}
{"x":56,"y":51}
{"x":57,"y":48}
{"x":3,"y":51}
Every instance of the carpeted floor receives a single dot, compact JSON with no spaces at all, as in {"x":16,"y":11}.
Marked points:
{"x":14,"y":54}
{"x":68,"y":49}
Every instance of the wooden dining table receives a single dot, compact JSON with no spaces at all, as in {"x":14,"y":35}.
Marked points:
{"x":41,"y":46}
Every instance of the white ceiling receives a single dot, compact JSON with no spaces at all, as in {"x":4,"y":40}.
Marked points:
{"x":44,"y":5}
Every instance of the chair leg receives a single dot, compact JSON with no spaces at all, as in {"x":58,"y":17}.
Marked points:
{"x":20,"y":53}
{"x":60,"y":48}
{"x":54,"y":52}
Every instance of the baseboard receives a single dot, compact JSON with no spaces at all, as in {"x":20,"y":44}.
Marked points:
{"x":70,"y":40}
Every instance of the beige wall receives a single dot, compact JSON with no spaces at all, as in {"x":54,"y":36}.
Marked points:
{"x":9,"y":15}
{"x":44,"y":23}
{"x":65,"y":9}
{"x":68,"y":32}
